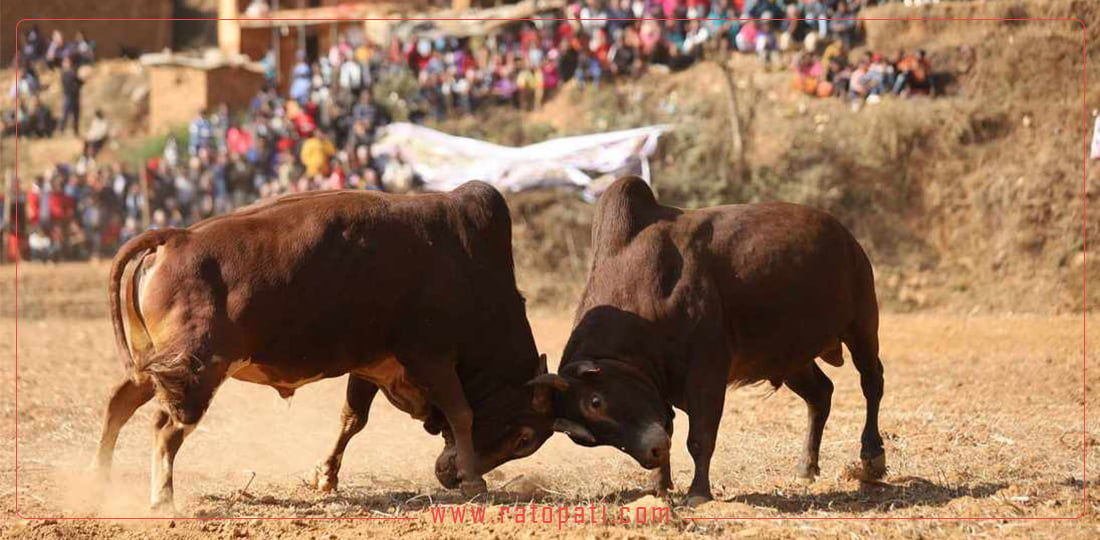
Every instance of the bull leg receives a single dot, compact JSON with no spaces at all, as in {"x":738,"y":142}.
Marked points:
{"x":864,"y":350}
{"x":167,"y":438}
{"x":445,"y":392}
{"x":813,"y":386}
{"x":452,"y":402}
{"x":662,"y":480}
{"x":360,"y":394}
{"x":126,"y":398}
{"x":705,"y":402}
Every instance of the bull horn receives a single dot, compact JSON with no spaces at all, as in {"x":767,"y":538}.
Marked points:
{"x":577,"y":432}
{"x":555,"y":381}
{"x":542,"y":365}
{"x":586,"y":368}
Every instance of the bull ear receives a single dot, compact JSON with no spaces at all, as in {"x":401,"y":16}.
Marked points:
{"x":577,"y":432}
{"x":545,"y":385}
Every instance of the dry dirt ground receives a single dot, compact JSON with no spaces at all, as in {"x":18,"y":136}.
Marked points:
{"x":982,"y":418}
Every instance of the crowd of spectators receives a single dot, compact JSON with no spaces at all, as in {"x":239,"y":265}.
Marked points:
{"x":867,"y":78}
{"x":608,"y":39}
{"x":319,"y":133}
{"x":33,"y":117}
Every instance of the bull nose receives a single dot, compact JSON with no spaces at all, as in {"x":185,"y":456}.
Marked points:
{"x":654,"y":447}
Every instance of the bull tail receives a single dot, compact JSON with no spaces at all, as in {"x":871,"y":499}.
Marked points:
{"x":862,"y":335}
{"x":145,"y":241}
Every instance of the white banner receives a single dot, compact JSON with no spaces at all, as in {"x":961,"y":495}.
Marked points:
{"x":589,"y":162}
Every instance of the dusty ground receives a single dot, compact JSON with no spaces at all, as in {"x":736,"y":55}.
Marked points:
{"x":982,"y":417}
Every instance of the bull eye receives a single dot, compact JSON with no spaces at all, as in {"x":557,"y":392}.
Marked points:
{"x":524,"y":439}
{"x":596,"y":402}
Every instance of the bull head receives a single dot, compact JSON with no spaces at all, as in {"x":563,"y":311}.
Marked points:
{"x":545,"y":384}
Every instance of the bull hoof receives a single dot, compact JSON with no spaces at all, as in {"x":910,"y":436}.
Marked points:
{"x":691,"y":501}
{"x":162,"y":506}
{"x":100,"y":476}
{"x":808,"y":472}
{"x":661,"y":485}
{"x":323,"y":478}
{"x":473,"y":488}
{"x":874,"y":468}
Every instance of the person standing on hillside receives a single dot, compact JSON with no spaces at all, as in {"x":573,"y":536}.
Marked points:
{"x":70,"y":91}
{"x":97,"y":134}
{"x":55,"y":51}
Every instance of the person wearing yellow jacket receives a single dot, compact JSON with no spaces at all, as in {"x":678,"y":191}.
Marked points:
{"x":316,"y":153}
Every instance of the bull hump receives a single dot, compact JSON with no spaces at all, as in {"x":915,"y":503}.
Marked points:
{"x":627,"y":207}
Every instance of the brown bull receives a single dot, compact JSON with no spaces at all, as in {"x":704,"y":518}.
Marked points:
{"x":681,"y":303}
{"x":411,"y":295}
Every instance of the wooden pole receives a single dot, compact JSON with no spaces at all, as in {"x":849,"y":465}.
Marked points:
{"x":736,"y":141}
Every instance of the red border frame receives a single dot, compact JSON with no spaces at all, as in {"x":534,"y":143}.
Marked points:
{"x":1084,"y":281}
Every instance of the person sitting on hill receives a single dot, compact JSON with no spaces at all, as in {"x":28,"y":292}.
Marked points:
{"x":695,"y":39}
{"x":843,"y":25}
{"x":816,"y":14}
{"x":914,"y":74}
{"x":857,"y":84}
{"x":746,"y":36}
{"x":624,"y":56}
{"x":722,"y":23}
{"x":41,"y":121}
{"x":791,"y":29}
{"x":875,"y":77}
{"x":810,"y":76}
{"x":588,"y":69}
{"x":530,"y":86}
{"x":14,"y":121}
{"x":767,"y":46}
{"x":27,"y":84}
{"x":41,"y":246}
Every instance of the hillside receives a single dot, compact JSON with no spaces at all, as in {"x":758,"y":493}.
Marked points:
{"x":120,"y":88}
{"x":970,"y":202}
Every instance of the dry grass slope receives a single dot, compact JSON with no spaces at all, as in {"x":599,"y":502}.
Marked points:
{"x":966,"y":203}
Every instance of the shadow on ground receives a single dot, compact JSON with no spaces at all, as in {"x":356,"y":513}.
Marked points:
{"x":903,"y":493}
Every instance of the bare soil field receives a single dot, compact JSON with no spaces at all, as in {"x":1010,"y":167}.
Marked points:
{"x":982,"y":419}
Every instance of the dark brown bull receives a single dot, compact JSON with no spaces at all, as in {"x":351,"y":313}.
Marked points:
{"x":681,"y":303}
{"x":411,"y":295}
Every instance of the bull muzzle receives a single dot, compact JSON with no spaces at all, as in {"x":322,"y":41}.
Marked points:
{"x":652,"y":448}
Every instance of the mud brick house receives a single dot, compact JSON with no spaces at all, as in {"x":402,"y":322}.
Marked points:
{"x":314,"y":25}
{"x":183,"y":85}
